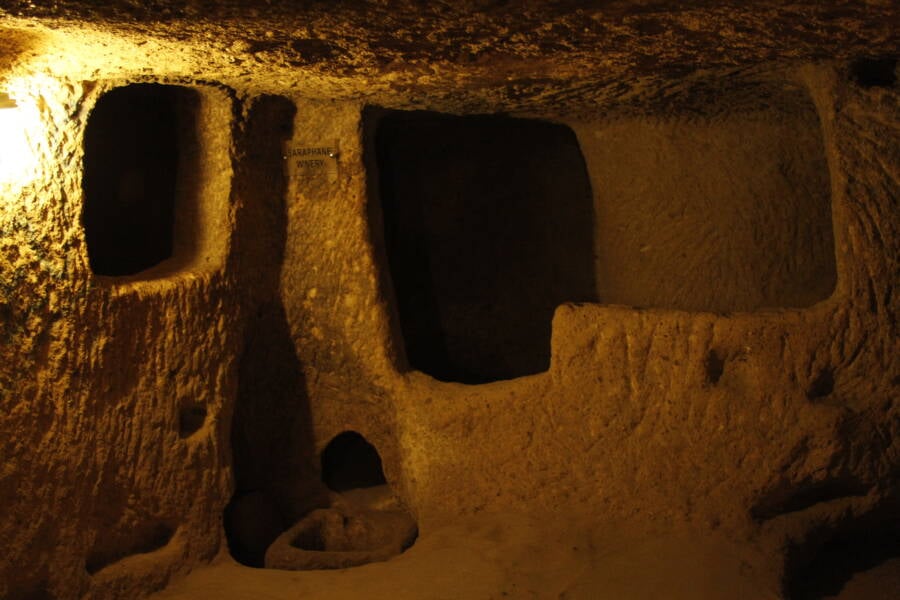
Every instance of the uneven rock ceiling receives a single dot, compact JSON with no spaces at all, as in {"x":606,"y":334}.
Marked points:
{"x":470,"y":56}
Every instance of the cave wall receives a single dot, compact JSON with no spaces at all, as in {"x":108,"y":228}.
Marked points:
{"x":117,"y":392}
{"x":767,"y":420}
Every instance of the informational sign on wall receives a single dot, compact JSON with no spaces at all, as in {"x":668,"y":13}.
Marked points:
{"x":307,"y":162}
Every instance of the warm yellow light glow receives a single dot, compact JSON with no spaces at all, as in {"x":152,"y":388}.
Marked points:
{"x":18,"y":129}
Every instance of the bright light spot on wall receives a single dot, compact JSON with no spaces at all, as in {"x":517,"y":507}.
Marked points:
{"x":19,"y":123}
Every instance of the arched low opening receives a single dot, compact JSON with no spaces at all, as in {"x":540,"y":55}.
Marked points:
{"x":350,"y":462}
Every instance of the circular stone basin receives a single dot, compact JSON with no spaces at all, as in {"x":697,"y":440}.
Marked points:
{"x":336,"y":538}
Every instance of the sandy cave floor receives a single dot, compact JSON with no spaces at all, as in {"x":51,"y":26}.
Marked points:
{"x":517,"y":556}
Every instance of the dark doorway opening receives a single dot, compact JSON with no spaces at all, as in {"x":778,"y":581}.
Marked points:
{"x":487,"y":228}
{"x":131,"y":175}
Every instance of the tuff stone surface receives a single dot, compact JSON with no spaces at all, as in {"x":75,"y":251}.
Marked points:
{"x":769,"y":423}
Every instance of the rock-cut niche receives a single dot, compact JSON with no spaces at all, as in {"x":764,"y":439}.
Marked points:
{"x":721,"y":207}
{"x":487,"y":228}
{"x":138,"y":149}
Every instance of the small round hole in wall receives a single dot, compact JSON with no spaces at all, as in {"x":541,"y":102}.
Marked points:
{"x":350,"y":462}
{"x":822,"y":385}
{"x":190,"y":419}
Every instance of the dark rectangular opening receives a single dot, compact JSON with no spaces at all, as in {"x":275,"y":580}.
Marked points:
{"x":487,"y":228}
{"x":131,"y":174}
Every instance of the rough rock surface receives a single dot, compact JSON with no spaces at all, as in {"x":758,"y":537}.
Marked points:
{"x":131,"y":410}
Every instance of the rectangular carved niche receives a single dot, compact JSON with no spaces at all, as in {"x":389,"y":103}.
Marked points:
{"x":724,"y":211}
{"x":156,"y":180}
{"x":487,"y":227}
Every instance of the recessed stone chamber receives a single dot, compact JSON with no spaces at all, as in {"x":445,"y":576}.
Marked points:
{"x":487,"y":228}
{"x":488,"y":223}
{"x":134,"y":163}
{"x":722,"y":205}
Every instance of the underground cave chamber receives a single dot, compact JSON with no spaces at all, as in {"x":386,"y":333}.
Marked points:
{"x":557,"y":314}
{"x":491,"y":222}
